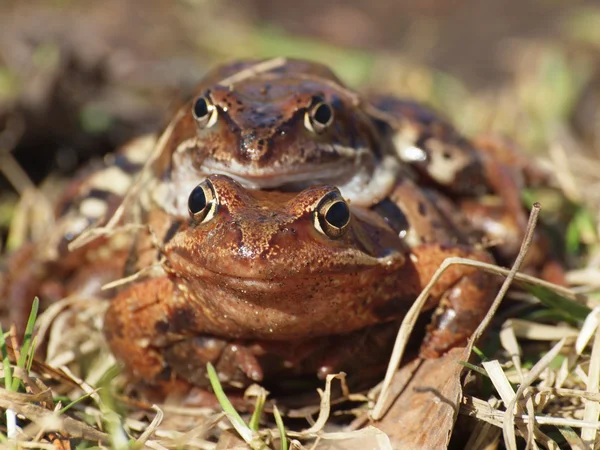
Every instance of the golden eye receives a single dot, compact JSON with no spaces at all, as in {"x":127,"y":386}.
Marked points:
{"x":319,"y":116}
{"x":204,"y":112}
{"x":202,"y":202}
{"x":332,"y":215}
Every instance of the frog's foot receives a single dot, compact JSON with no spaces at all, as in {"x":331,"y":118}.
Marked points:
{"x":236,"y":363}
{"x":463,"y":295}
{"x":460,"y":311}
{"x":140,"y":327}
{"x":505,"y":151}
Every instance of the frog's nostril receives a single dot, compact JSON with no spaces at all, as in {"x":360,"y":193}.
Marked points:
{"x":253,"y":147}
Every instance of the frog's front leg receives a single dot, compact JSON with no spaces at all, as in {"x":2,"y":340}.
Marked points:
{"x":463,"y":293}
{"x":162,"y":345}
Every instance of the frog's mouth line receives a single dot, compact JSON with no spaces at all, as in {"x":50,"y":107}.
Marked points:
{"x":227,"y":279}
{"x":273,"y":177}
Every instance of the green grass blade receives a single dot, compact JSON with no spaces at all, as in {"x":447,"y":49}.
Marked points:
{"x":221,"y":397}
{"x":8,"y":380}
{"x":258,"y":409}
{"x":568,"y":308}
{"x":27,"y":338}
{"x":27,"y":349}
{"x":31,"y":352}
{"x":74,"y":402}
{"x":479,"y":353}
{"x":240,"y":426}
{"x":474,"y":368}
{"x":281,"y":428}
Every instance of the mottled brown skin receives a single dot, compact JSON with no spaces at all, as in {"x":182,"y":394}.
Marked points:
{"x":261,"y":138}
{"x":259,"y":276}
{"x":485,"y":177}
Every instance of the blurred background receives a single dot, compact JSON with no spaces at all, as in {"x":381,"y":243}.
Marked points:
{"x":78,"y":78}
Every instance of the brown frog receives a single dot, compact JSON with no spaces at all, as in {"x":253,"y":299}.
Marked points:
{"x":263,"y":279}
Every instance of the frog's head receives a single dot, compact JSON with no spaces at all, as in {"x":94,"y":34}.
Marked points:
{"x":287,"y":128}
{"x":297,"y":259}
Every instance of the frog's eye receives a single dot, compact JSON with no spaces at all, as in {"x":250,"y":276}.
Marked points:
{"x":202,"y":202}
{"x":332,"y":215}
{"x":319,"y":115}
{"x":204,"y":112}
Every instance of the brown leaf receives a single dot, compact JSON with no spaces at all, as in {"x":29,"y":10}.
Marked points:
{"x":424,"y":413}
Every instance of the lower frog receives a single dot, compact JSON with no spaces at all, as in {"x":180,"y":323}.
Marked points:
{"x":257,"y":280}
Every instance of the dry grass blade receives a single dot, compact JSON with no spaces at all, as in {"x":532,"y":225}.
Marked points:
{"x":592,"y":408}
{"x":534,"y":373}
{"x":249,"y":72}
{"x":507,"y":394}
{"x":324,"y":410}
{"x":9,"y":167}
{"x":48,"y":420}
{"x":533,"y":217}
{"x":537,"y":331}
{"x":485,"y":434}
{"x":142,"y":440}
{"x":590,"y":325}
{"x":197,"y":432}
{"x":508,"y":340}
{"x":137,"y":275}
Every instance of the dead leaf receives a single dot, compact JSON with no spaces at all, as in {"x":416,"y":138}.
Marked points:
{"x":424,"y":414}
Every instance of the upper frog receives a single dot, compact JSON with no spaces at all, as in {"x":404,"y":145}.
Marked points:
{"x":287,"y":125}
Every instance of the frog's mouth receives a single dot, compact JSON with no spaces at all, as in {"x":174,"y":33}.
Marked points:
{"x":361,"y":184}
{"x":301,"y":176}
{"x":244,"y":278}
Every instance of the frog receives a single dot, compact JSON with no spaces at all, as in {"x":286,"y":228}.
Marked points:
{"x":263,"y":281}
{"x":288,"y":124}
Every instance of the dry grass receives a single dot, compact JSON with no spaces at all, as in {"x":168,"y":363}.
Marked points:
{"x":540,"y":384}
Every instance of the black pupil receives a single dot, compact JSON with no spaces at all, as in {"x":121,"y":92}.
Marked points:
{"x":322,"y":114}
{"x":338,"y":214}
{"x":197,"y":200}
{"x":200,"y":108}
